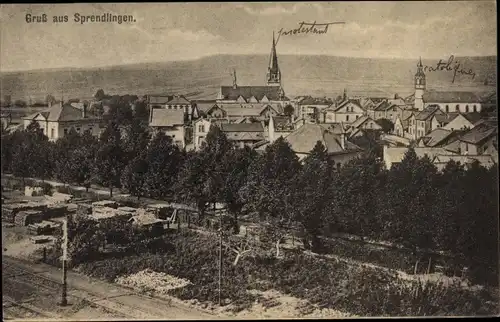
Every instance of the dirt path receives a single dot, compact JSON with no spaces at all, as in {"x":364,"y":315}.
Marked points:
{"x":106,"y":296}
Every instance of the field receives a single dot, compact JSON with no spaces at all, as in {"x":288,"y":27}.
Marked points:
{"x":314,"y":75}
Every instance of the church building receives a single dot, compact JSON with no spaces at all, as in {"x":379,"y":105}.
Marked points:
{"x":448,"y":101}
{"x":272,"y":94}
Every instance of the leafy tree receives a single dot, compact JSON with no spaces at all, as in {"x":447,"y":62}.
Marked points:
{"x":141,"y":110}
{"x":110,"y":157}
{"x":100,"y":95}
{"x":164,"y":161}
{"x":50,"y":100}
{"x":82,"y":160}
{"x":268,"y":192}
{"x":237,"y":162}
{"x":134,"y":175}
{"x":136,"y":138}
{"x":311,"y":194}
{"x":289,"y":110}
{"x":386,"y":124}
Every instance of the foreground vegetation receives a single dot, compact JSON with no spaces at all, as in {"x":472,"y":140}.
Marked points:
{"x":329,"y":284}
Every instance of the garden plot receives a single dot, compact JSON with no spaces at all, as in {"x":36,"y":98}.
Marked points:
{"x":151,"y":281}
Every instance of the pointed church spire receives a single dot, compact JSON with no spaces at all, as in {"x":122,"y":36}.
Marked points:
{"x":420,"y":62}
{"x":273,"y":71}
{"x":234,"y":78}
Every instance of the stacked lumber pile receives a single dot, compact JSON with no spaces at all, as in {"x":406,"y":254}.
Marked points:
{"x":9,"y":211}
{"x":26,"y":217}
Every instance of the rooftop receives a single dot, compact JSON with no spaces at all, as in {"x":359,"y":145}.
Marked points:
{"x":305,"y":138}
{"x":60,"y":113}
{"x":271,"y":92}
{"x":479,"y":133}
{"x":242,"y":127}
{"x":450,"y":97}
{"x":163,"y":117}
{"x":436,"y":136}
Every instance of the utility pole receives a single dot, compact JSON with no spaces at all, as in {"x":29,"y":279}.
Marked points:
{"x":64,"y":299}
{"x":220,"y":255}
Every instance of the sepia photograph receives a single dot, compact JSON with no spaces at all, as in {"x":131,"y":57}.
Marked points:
{"x":249,"y":160}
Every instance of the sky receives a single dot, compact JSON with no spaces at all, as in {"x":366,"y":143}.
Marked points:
{"x":183,"y":31}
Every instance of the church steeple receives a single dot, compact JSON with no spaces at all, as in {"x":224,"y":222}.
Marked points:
{"x":419,"y":86}
{"x":273,"y":71}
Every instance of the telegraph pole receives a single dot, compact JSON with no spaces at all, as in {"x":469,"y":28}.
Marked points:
{"x":220,"y":255}
{"x":64,"y":297}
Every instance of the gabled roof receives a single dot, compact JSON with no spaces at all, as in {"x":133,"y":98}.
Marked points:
{"x":163,"y":117}
{"x":309,"y":100}
{"x":484,"y":160}
{"x":271,"y":92}
{"x":450,"y":97}
{"x":305,"y":138}
{"x":345,"y":102}
{"x":242,"y":127}
{"x":436,"y":136}
{"x":396,"y":154}
{"x":168,"y":99}
{"x":242,"y":111}
{"x":479,"y":133}
{"x":61,"y":113}
{"x":383,"y":106}
{"x":427,"y":113}
{"x":204,"y":105}
{"x":360,"y":121}
{"x":453,"y":146}
{"x":472,"y":117}
{"x":335,"y":128}
{"x":446,"y":118}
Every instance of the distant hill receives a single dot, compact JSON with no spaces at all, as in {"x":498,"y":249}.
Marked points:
{"x":315,"y":75}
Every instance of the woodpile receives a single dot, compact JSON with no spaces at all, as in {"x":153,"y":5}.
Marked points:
{"x":9,"y":211}
{"x":44,"y":228}
{"x":26,"y":217}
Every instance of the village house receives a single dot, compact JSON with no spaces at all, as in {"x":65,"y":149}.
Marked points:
{"x":304,"y":139}
{"x":461,"y":121}
{"x":438,"y":138}
{"x":364,"y":122}
{"x":59,"y":119}
{"x":311,"y":108}
{"x":232,"y":113}
{"x":200,"y":131}
{"x":280,"y":126}
{"x":479,"y":140}
{"x":347,"y":111}
{"x":243,"y":134}
{"x":401,"y":126}
{"x":173,"y":102}
{"x":170,"y":122}
{"x":424,"y":122}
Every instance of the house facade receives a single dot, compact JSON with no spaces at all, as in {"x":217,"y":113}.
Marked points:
{"x":347,"y":111}
{"x":170,"y":122}
{"x":200,"y":131}
{"x":312,"y":108}
{"x":339,"y":149}
{"x":280,"y":126}
{"x":58,"y":120}
{"x":243,"y":134}
{"x":173,"y":102}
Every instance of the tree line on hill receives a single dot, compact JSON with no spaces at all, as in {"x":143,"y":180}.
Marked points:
{"x":413,"y":204}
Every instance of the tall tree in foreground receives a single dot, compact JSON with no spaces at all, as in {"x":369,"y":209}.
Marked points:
{"x":110,"y":158}
{"x":164,"y":160}
{"x":269,"y":190}
{"x":311,"y":194}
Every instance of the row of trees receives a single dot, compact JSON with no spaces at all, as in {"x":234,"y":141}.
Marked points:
{"x":455,"y":210}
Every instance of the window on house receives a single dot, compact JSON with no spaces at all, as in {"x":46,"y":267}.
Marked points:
{"x":466,"y":108}
{"x":51,"y":133}
{"x":457,"y":108}
{"x":466,"y":147}
{"x":474,"y":108}
{"x":447,"y":108}
{"x":78,"y":129}
{"x":65,"y":131}
{"x":173,"y":136}
{"x":347,"y":117}
{"x":357,"y":116}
